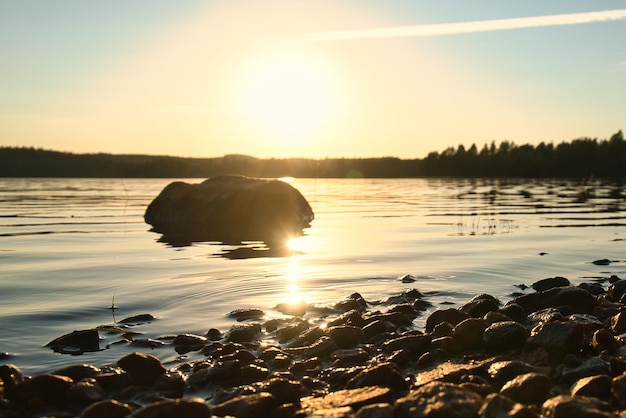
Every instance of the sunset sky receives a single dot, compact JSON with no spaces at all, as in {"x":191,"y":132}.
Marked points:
{"x":204,"y":78}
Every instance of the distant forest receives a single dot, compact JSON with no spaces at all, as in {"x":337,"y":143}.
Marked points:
{"x":581,"y":158}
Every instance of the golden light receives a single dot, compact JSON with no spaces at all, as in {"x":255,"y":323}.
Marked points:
{"x":289,"y":97}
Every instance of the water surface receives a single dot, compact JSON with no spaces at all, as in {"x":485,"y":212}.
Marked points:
{"x":70,"y":248}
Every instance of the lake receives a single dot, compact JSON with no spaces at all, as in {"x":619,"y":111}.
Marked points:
{"x":71,"y":248}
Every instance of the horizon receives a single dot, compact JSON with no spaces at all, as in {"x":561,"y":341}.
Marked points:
{"x":203,"y":79}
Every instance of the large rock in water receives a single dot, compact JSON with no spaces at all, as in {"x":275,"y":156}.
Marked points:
{"x":230,"y":209}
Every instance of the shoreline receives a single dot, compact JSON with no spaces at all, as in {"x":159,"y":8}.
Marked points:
{"x":557,"y":351}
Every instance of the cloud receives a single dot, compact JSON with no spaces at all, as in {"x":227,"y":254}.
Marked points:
{"x":467,"y":27}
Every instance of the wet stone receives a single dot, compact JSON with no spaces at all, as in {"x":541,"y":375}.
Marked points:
{"x":593,"y":386}
{"x":416,"y":344}
{"x":378,"y":410}
{"x":564,"y":406}
{"x":247,"y":406}
{"x":468,"y":334}
{"x":83,"y":394}
{"x":500,"y":406}
{"x":617,"y":289}
{"x":346,"y":336}
{"x":187,"y":407}
{"x":142,"y":368}
{"x":78,"y":372}
{"x":502,"y":372}
{"x":244,"y":333}
{"x":10,"y":376}
{"x":246,"y":314}
{"x":558,"y":338}
{"x":76,"y":342}
{"x":529,"y":388}
{"x":514,"y":311}
{"x":48,"y":388}
{"x":503,"y":336}
{"x":384,"y":374}
{"x":479,"y":305}
{"x":550,"y":283}
{"x":603,"y":340}
{"x":438,"y":399}
{"x":108,"y":408}
{"x":591,"y":367}
{"x":353,"y":398}
{"x":618,"y":389}
{"x":450,"y":315}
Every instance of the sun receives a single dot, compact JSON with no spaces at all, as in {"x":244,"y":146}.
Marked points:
{"x":290,"y":97}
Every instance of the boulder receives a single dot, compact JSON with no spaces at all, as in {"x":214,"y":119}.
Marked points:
{"x":229,"y":209}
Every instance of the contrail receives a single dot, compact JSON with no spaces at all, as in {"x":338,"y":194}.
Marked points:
{"x":466,"y":27}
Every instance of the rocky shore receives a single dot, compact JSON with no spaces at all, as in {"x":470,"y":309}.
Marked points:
{"x":554,"y":351}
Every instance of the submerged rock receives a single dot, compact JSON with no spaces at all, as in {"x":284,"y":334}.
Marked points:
{"x":76,"y":342}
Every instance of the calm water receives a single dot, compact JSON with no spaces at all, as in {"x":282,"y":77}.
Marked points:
{"x":69,"y":247}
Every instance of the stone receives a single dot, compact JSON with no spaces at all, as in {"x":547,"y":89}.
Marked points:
{"x":603,"y":340}
{"x":291,"y":331}
{"x":354,"y":398}
{"x":468,"y":334}
{"x":187,"y":407}
{"x":138,"y":319}
{"x":557,"y":338}
{"x":500,"y":406}
{"x":10,"y":376}
{"x":550,"y":283}
{"x":247,"y":406}
{"x":108,"y":408}
{"x":591,"y":367}
{"x":78,"y":372}
{"x":188,"y":342}
{"x":514,"y":311}
{"x":142,"y":368}
{"x":246,"y":314}
{"x":502,"y":372}
{"x":479,"y":305}
{"x":618,"y":389}
{"x":564,"y":406}
{"x":346,"y":336}
{"x":439,"y":399}
{"x":373,"y":329}
{"x":593,"y":386}
{"x":84,"y":393}
{"x":399,"y":319}
{"x":384,"y":374}
{"x":493,"y":317}
{"x":450,"y":315}
{"x":417,"y":344}
{"x":616,"y":290}
{"x":243,"y":333}
{"x":76,"y":342}
{"x":230,"y":209}
{"x":576,"y":299}
{"x":352,"y":317}
{"x":284,"y":390}
{"x":545,"y":315}
{"x":593,"y":288}
{"x":529,"y":388}
{"x":618,"y":323}
{"x":378,"y":410}
{"x":503,"y":336}
{"x":321,"y":348}
{"x":47,"y":388}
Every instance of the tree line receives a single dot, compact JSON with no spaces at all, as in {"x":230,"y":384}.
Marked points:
{"x":584,"y":157}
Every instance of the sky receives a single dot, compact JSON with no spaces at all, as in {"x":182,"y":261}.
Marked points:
{"x":312,"y":79}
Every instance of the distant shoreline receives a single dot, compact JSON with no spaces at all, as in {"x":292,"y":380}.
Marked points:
{"x":583,"y":158}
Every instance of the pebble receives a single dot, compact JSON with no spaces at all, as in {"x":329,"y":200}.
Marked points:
{"x":557,"y":351}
